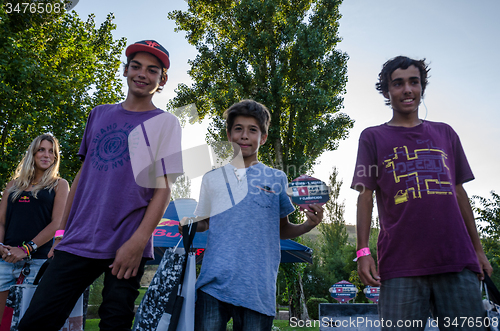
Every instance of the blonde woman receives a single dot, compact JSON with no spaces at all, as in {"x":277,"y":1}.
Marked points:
{"x":30,"y":212}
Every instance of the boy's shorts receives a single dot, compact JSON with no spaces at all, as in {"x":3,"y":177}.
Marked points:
{"x":9,"y":272}
{"x":455,"y":297}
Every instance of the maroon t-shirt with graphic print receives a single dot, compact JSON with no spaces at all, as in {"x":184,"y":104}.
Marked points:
{"x":414,"y":172}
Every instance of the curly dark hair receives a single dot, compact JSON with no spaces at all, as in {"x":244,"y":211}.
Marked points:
{"x":249,"y":108}
{"x":400,"y":62}
{"x":163,"y":68}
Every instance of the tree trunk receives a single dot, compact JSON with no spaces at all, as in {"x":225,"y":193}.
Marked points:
{"x":296,"y":298}
{"x":305,"y":315}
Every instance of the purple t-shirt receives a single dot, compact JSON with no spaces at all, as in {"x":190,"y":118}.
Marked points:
{"x":109,"y":203}
{"x":414,"y":172}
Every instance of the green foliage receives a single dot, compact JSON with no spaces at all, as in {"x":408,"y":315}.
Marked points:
{"x":92,"y":324}
{"x":284,"y":325}
{"x":291,"y":273}
{"x":313,"y":307}
{"x":279,"y":53}
{"x":276,"y":52}
{"x":488,"y":213}
{"x":181,"y":188}
{"x":333,"y":254}
{"x":332,"y":258}
{"x":95,"y":296}
{"x":54,"y":69}
{"x":281,"y":289}
{"x":229,"y":326}
{"x":354,"y":279}
{"x":142,"y":292}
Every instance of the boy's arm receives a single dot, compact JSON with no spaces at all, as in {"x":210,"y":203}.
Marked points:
{"x":67,"y":209}
{"x":203,"y":223}
{"x":129,"y":255}
{"x":289,"y":230}
{"x":71,"y":197}
{"x":366,"y":265}
{"x":470,"y":224}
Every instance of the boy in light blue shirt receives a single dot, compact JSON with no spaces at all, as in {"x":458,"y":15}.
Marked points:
{"x":246,"y":207}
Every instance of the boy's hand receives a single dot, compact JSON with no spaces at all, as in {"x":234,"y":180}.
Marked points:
{"x":484,"y":265}
{"x":51,"y":252}
{"x":127,"y":260}
{"x":367,"y":271}
{"x":313,"y":219}
{"x":183,"y":222}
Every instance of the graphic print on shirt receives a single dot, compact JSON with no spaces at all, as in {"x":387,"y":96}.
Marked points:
{"x":423,"y":170}
{"x":110,"y":147}
{"x":24,"y":198}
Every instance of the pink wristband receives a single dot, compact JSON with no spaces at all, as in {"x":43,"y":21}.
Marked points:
{"x":59,"y":233}
{"x":362,"y":252}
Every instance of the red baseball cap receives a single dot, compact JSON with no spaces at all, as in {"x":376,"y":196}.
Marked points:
{"x":150,"y":46}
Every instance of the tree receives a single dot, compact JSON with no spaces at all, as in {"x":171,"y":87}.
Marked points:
{"x":281,"y":54}
{"x":332,"y":253}
{"x":488,"y":213}
{"x":54,"y":69}
{"x":181,"y":189}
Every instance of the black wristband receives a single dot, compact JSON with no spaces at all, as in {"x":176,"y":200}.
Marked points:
{"x":33,"y":245}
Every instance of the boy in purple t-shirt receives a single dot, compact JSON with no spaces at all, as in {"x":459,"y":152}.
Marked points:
{"x":429,"y":252}
{"x":131,"y":156}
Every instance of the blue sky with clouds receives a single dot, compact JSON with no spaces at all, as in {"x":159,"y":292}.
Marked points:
{"x":458,"y":37}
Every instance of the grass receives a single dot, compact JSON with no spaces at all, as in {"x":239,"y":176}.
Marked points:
{"x":94,"y":306}
{"x":142,"y":291}
{"x":283,"y":325}
{"x":93,"y":325}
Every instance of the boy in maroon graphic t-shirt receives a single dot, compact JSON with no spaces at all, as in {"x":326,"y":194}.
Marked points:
{"x":429,"y":252}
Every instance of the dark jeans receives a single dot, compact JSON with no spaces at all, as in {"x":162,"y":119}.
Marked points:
{"x":213,"y":315}
{"x":65,"y":280}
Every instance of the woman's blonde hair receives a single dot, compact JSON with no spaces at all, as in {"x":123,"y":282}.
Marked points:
{"x":25,"y":171}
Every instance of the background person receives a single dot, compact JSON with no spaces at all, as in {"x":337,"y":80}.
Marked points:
{"x":30,"y":212}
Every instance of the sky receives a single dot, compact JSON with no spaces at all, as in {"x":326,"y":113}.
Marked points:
{"x":458,"y":38}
